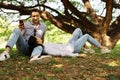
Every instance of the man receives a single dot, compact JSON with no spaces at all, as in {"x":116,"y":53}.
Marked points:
{"x":33,"y":28}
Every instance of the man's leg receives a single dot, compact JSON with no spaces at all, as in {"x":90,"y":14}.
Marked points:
{"x":37,"y":51}
{"x":14,"y":38}
{"x":37,"y":58}
{"x":17,"y":38}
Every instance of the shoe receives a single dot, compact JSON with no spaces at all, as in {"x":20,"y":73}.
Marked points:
{"x":44,"y":59}
{"x":105,"y":50}
{"x":4,"y":56}
{"x":88,"y":51}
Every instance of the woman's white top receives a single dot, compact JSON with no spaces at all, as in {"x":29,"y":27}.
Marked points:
{"x":59,"y":49}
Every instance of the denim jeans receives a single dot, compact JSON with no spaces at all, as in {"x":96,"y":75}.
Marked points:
{"x":78,"y":40}
{"x":17,"y":38}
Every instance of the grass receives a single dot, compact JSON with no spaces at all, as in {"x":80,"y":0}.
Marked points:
{"x":93,"y":67}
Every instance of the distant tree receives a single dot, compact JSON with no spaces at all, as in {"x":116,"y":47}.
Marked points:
{"x":69,"y":16}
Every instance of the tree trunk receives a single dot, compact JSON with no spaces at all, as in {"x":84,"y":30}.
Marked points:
{"x":102,"y":23}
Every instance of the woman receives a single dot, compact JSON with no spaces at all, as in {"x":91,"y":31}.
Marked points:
{"x":74,"y":45}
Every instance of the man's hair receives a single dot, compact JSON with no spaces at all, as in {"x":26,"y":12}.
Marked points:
{"x":35,"y":10}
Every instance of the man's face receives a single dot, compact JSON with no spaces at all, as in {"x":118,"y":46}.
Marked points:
{"x":35,"y":17}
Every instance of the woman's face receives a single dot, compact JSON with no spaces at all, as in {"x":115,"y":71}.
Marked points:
{"x":35,"y":17}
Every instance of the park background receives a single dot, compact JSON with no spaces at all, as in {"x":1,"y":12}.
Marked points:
{"x":95,"y":66}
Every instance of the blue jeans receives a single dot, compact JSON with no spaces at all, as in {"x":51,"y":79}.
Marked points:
{"x":78,"y":40}
{"x":17,"y":38}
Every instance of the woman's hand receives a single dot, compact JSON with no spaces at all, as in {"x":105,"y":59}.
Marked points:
{"x":38,"y":40}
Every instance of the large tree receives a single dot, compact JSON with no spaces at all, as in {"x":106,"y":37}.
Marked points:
{"x":69,"y":16}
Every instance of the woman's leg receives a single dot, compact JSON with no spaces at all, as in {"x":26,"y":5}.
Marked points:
{"x":75,"y":35}
{"x":82,"y":40}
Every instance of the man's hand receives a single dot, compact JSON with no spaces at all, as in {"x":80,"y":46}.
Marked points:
{"x":21,"y":25}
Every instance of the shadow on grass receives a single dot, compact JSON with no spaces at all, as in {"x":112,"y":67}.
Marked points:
{"x":94,"y":67}
{"x":112,"y":77}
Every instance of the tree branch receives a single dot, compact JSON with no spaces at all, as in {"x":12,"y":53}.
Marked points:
{"x":86,"y":22}
{"x":92,"y":14}
{"x":13,"y":7}
{"x":108,"y":16}
{"x":115,"y":5}
{"x":58,"y":21}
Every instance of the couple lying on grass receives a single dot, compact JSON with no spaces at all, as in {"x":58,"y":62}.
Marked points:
{"x":71,"y":49}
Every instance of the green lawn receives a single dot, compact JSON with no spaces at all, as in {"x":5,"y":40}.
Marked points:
{"x":94,"y":67}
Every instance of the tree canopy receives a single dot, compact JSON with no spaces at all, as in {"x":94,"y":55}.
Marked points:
{"x":70,"y":14}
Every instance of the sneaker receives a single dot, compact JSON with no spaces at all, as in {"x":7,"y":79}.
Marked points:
{"x":105,"y":50}
{"x":44,"y":59}
{"x":4,"y":56}
{"x":88,"y":51}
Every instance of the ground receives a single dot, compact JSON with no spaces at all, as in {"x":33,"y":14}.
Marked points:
{"x":95,"y":66}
